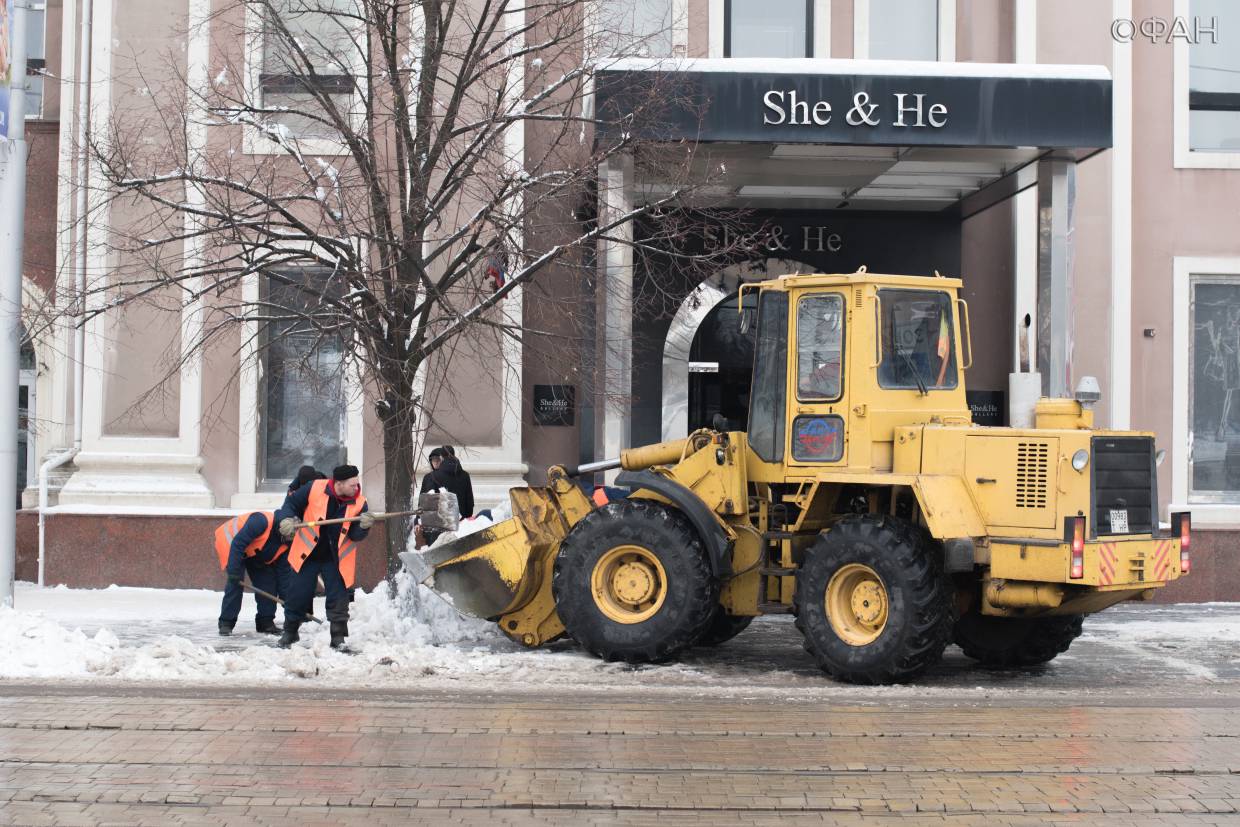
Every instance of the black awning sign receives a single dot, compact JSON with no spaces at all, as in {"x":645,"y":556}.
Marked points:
{"x":554,"y":404}
{"x":785,"y":106}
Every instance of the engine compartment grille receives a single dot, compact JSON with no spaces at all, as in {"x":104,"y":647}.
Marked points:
{"x":1032,"y":474}
{"x":1123,"y":479}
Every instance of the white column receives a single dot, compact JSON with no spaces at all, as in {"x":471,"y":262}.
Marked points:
{"x":496,"y":468}
{"x":1025,"y":204}
{"x":144,"y":472}
{"x":861,"y":29}
{"x":822,"y":29}
{"x":715,"y":21}
{"x":248,"y":421}
{"x":616,"y":195}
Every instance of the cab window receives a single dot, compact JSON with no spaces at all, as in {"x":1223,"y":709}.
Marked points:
{"x":770,"y":370}
{"x":820,"y":347}
{"x":919,"y":342}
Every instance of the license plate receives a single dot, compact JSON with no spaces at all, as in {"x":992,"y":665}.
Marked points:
{"x":1119,"y":520}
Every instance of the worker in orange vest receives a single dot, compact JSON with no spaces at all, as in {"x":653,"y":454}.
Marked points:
{"x":329,"y":553}
{"x":247,"y":544}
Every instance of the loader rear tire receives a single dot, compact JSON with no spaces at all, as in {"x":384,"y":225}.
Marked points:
{"x":723,"y":627}
{"x":1007,"y":642}
{"x":632,"y":582}
{"x":872,"y":600}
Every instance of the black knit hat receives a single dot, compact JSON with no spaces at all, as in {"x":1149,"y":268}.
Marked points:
{"x":344,"y":472}
{"x":305,"y":474}
{"x":439,"y":453}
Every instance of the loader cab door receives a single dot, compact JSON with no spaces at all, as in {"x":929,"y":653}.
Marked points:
{"x":797,"y":402}
{"x":768,"y":391}
{"x":817,"y":425}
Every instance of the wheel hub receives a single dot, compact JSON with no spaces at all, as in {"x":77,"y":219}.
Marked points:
{"x":868,"y":602}
{"x":628,"y":584}
{"x":856,"y":604}
{"x":633,"y":582}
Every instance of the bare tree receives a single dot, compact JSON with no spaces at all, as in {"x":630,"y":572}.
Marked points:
{"x":372,"y":180}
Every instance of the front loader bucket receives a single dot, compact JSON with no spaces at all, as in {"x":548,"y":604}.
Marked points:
{"x":505,"y":569}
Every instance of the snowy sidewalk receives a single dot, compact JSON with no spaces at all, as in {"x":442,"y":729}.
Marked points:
{"x":418,"y":641}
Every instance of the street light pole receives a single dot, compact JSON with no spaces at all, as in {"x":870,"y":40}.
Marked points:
{"x":13,"y":153}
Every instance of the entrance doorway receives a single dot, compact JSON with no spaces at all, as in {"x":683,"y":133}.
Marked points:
{"x":720,"y":366}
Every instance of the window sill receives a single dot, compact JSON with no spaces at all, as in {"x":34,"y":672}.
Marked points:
{"x":254,"y":143}
{"x":1210,"y":515}
{"x":1188,"y":159}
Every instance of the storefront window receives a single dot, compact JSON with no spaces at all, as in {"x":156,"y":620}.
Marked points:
{"x":319,"y":30}
{"x":1214,"y":79}
{"x":820,"y":346}
{"x":36,"y":54}
{"x":1215,"y":394}
{"x":635,"y":28}
{"x":768,"y":28}
{"x":904,"y":29}
{"x":918,"y":340}
{"x":303,"y":380}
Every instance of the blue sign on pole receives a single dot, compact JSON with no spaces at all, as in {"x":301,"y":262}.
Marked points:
{"x":6,"y":66}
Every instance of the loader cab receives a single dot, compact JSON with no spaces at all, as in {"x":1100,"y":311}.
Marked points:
{"x":841,"y":361}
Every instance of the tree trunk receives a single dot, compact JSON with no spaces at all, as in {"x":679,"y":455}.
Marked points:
{"x":398,"y":465}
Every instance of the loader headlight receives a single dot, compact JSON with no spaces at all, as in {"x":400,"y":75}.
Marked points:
{"x":1080,"y":459}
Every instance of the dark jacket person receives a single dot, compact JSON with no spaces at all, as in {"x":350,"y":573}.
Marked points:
{"x":250,"y":544}
{"x":305,"y":474}
{"x":446,"y":474}
{"x":324,"y":551}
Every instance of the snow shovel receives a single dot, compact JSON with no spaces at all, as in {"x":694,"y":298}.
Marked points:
{"x":269,"y":596}
{"x":443,"y":515}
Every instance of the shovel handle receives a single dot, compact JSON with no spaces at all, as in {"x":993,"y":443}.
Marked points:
{"x":378,"y":515}
{"x":269,"y":596}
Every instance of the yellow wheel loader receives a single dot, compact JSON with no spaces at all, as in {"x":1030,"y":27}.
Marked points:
{"x":861,"y":498}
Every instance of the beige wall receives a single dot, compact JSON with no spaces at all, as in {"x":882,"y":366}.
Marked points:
{"x":983,"y":31}
{"x":1176,"y":212}
{"x":841,"y":28}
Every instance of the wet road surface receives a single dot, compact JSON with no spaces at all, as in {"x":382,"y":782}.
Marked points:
{"x":1137,"y":725}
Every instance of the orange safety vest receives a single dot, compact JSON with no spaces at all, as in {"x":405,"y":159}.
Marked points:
{"x":306,"y":537}
{"x":225,"y":533}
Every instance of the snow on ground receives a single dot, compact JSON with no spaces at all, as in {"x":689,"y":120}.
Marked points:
{"x":132,"y":634}
{"x":415,"y":639}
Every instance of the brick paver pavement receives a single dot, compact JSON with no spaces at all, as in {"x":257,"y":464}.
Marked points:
{"x":207,"y":756}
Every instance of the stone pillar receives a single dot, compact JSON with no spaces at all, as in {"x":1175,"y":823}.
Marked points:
{"x":1056,"y":201}
{"x":616,"y":307}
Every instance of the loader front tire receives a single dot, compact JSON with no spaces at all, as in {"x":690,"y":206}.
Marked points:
{"x":632,"y":582}
{"x":872,"y":600}
{"x":1008,"y":642}
{"x":723,"y":627}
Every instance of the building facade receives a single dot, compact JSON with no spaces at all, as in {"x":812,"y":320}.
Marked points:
{"x":1076,"y":164}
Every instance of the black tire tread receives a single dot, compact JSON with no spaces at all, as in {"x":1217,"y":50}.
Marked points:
{"x":930,"y":588}
{"x":643,"y":521}
{"x":723,"y":627}
{"x":1032,"y":641}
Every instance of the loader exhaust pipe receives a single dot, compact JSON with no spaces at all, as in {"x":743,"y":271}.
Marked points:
{"x":592,"y":467}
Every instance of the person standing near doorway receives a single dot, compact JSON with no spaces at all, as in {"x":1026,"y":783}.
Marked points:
{"x":446,"y":474}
